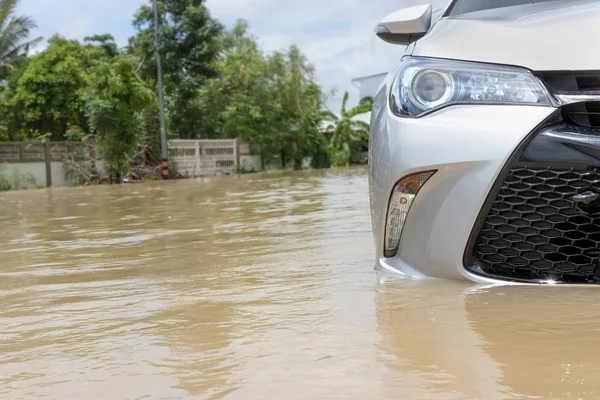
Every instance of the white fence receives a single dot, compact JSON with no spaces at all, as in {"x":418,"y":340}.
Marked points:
{"x":204,"y":157}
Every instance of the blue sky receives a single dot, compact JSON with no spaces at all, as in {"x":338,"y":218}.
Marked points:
{"x":336,"y":35}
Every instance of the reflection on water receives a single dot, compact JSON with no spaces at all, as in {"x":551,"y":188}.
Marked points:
{"x":260,"y":287}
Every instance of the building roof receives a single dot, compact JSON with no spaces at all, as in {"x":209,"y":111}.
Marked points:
{"x":368,"y":85}
{"x":363,"y":78}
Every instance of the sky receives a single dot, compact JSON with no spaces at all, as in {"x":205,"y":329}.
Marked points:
{"x":336,"y":35}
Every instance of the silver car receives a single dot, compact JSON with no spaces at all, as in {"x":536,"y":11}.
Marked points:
{"x":485,"y":143}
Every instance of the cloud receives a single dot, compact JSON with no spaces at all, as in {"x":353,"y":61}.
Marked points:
{"x":336,"y":35}
{"x":80,"y":18}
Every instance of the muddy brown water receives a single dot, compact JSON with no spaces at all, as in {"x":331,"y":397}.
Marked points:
{"x":261,"y":287}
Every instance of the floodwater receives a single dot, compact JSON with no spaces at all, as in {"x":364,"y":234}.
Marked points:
{"x":261,"y":287}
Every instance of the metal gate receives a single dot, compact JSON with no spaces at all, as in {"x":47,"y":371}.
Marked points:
{"x":204,"y":157}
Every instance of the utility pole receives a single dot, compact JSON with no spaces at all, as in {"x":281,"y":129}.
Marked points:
{"x":161,"y":100}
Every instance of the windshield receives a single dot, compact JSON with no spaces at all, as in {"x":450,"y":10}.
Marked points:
{"x":468,"y":6}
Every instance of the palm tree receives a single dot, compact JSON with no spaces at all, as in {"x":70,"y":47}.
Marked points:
{"x":349,"y":134}
{"x":14,"y":31}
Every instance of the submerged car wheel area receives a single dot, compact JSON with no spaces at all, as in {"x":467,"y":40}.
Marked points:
{"x":485,"y":164}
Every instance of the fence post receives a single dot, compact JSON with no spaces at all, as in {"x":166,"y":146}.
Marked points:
{"x":48,"y":164}
{"x":236,"y":154}
{"x":198,"y":160}
{"x":22,"y":152}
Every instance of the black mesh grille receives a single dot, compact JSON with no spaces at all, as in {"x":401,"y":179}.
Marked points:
{"x":535,"y":231}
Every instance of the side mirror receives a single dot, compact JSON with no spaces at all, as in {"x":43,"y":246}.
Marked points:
{"x":405,"y":26}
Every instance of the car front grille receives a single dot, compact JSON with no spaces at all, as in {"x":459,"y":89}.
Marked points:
{"x":535,"y":227}
{"x":585,"y":114}
{"x":535,"y":231}
{"x":571,"y":81}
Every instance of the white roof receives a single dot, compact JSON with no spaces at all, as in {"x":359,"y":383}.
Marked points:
{"x":368,"y":85}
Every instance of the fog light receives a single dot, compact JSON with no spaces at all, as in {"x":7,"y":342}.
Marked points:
{"x":402,"y":197}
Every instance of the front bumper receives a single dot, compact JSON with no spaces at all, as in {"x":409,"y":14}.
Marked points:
{"x":469,"y":147}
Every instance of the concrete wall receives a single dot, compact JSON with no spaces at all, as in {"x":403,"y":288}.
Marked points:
{"x":58,"y":174}
{"x":38,"y":171}
{"x":254,"y":163}
{"x":250,"y":163}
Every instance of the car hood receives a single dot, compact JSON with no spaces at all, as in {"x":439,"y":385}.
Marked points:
{"x":550,"y":36}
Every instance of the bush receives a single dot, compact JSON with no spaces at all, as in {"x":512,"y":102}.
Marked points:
{"x":4,"y":183}
{"x":360,"y":157}
{"x":321,"y":159}
{"x":340,"y":157}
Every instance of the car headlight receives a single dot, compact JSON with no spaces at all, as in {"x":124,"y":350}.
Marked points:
{"x":423,"y":85}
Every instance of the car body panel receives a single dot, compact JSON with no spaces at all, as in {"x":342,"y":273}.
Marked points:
{"x":468,"y":145}
{"x":547,"y":36}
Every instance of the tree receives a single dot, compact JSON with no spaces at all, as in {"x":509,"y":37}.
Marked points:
{"x":49,"y":92}
{"x":11,"y":121}
{"x":349,"y":134}
{"x":188,"y":45}
{"x":48,"y":97}
{"x":299,"y":100}
{"x":106,"y":42}
{"x":14,"y":31}
{"x":270,"y":101}
{"x":114,"y":104}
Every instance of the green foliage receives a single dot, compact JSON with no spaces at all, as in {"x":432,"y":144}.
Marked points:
{"x":75,"y":134}
{"x":48,"y":96}
{"x":11,"y":121}
{"x":340,"y":157}
{"x":4,"y":93}
{"x":14,"y":44}
{"x":270,"y":101}
{"x":106,"y":42}
{"x":321,"y":158}
{"x":49,"y":91}
{"x":14,"y":31}
{"x":366,"y":100}
{"x":5,"y":185}
{"x":188,"y":46}
{"x":114,"y":104}
{"x":359,"y":157}
{"x":349,"y":134}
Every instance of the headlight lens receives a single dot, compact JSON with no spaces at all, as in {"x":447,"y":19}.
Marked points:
{"x":425,"y":84}
{"x":432,"y":88}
